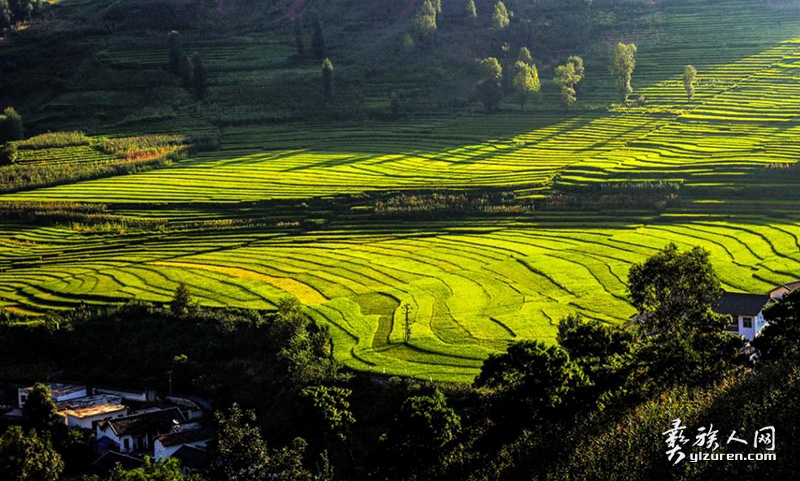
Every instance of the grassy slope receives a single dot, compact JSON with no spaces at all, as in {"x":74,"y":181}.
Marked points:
{"x":473,"y":284}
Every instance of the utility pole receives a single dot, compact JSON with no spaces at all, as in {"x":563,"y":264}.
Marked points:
{"x":407,"y":333}
{"x":169,"y":374}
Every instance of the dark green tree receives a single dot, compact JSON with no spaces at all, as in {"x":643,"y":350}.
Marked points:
{"x":675,"y":293}
{"x":567,"y":77}
{"x":317,"y":40}
{"x":298,"y":39}
{"x":623,"y":62}
{"x":175,"y":51}
{"x":531,"y":378}
{"x":689,"y":79}
{"x":5,"y":15}
{"x":181,"y":301}
{"x":327,"y":79}
{"x":526,"y":82}
{"x":500,"y":18}
{"x":603,"y":352}
{"x":425,"y":19}
{"x":780,"y":339}
{"x":472,"y":12}
{"x":11,"y":124}
{"x":394,"y":105}
{"x":237,"y":451}
{"x":187,"y":72}
{"x":21,"y":10}
{"x":8,"y":153}
{"x":490,"y":87}
{"x":166,"y":470}
{"x":420,"y":438}
{"x":39,"y":411}
{"x":25,"y":456}
{"x":200,"y":76}
{"x":525,"y":56}
{"x":331,"y":405}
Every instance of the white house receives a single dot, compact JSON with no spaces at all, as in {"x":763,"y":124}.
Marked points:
{"x":778,"y":293}
{"x":137,"y":432}
{"x":746,"y":310}
{"x":86,"y":417}
{"x":167,"y":445}
{"x":59,"y":392}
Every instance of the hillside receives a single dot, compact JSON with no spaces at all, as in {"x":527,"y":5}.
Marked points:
{"x":490,"y":227}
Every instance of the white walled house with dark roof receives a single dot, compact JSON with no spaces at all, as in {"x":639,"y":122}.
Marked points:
{"x":138,"y":432}
{"x":167,"y":445}
{"x":747,"y":312}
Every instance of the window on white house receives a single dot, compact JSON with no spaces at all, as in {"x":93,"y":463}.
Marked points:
{"x":747,"y":322}
{"x":127,"y":444}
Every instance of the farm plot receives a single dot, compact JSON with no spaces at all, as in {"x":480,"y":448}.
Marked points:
{"x":469,"y":294}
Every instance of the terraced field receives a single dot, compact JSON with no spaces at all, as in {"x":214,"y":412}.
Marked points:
{"x":291,"y":210}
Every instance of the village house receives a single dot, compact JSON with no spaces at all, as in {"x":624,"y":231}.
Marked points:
{"x":747,"y":309}
{"x":87,"y":417}
{"x":167,"y":445}
{"x":137,"y":432}
{"x":59,"y":392}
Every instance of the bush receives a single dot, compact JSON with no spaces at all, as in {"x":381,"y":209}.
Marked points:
{"x":8,"y":154}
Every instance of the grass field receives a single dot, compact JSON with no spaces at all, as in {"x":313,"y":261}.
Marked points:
{"x":289,"y":209}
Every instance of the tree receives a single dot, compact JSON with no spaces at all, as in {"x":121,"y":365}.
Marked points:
{"x":163,"y":470}
{"x":200,"y":77}
{"x":525,"y":56}
{"x":11,"y":125}
{"x":181,"y":300}
{"x":472,"y":12}
{"x":425,"y":20}
{"x":327,"y":79}
{"x":187,"y":71}
{"x":237,"y":452}
{"x":602,"y":351}
{"x":5,"y":15}
{"x":420,"y":437}
{"x":500,"y":16}
{"x":567,"y":77}
{"x":20,"y":10}
{"x":174,"y":42}
{"x":689,"y":79}
{"x":317,"y":40}
{"x":622,"y":65}
{"x":298,"y":40}
{"x":532,"y":375}
{"x":394,"y":105}
{"x":8,"y":153}
{"x":780,"y":339}
{"x":526,"y":81}
{"x":577,"y":65}
{"x":490,"y":89}
{"x":25,"y":456}
{"x":674,"y":291}
{"x":437,"y":6}
{"x":39,"y":411}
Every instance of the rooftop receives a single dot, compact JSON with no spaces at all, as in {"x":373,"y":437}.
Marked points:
{"x":59,"y":389}
{"x":149,"y":422}
{"x":185,"y":437}
{"x":191,"y":457}
{"x":106,"y":464}
{"x":96,"y":410}
{"x":737,"y":304}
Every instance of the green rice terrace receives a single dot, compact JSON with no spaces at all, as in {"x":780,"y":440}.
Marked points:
{"x":490,"y":228}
